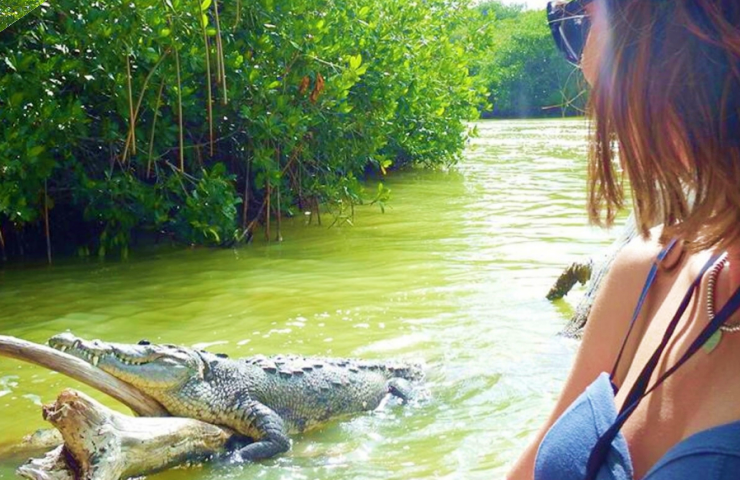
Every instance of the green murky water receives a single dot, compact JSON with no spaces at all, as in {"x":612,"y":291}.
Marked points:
{"x":453,"y":274}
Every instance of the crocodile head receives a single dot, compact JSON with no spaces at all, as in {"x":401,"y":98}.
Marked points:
{"x":148,"y":367}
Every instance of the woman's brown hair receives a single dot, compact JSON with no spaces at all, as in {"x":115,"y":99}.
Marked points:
{"x":667,"y":97}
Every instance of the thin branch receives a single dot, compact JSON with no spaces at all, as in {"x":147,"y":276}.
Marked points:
{"x":2,"y":245}
{"x":256,"y":219}
{"x":198,"y":145}
{"x":245,"y":204}
{"x":278,"y":235}
{"x":208,"y":86}
{"x":131,"y":137}
{"x":46,"y":222}
{"x":220,"y":54}
{"x":238,"y":13}
{"x":132,"y":119}
{"x":184,"y":174}
{"x":179,"y":111}
{"x":317,"y":59}
{"x":154,"y":125}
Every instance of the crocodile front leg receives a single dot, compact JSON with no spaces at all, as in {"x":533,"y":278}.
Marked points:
{"x":266,"y":428}
{"x":401,"y":388}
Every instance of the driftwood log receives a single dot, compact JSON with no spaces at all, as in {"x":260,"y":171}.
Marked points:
{"x":102,"y":444}
{"x":590,"y":271}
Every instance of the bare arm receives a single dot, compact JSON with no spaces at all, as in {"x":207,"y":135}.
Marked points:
{"x":605,"y":330}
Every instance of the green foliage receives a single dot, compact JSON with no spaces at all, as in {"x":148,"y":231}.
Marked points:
{"x":170,"y":116}
{"x":501,"y":11}
{"x":208,"y":213}
{"x":523,"y":71}
{"x":12,"y":10}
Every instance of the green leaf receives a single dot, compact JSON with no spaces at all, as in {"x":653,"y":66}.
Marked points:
{"x":165,"y":32}
{"x":36,"y":150}
{"x":215,"y":235}
{"x":355,"y":61}
{"x":204,"y":19}
{"x":16,"y":99}
{"x":204,"y":5}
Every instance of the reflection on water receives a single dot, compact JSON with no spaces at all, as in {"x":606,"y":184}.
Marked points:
{"x":453,"y":274}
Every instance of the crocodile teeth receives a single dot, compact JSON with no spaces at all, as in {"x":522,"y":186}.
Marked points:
{"x":63,"y":348}
{"x":95,"y":360}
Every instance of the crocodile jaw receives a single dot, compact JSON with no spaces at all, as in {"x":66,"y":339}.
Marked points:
{"x":150,"y":368}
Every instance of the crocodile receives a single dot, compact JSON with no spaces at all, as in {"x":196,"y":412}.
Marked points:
{"x":265,"y":399}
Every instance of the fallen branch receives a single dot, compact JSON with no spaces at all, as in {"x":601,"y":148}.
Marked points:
{"x":101,"y":444}
{"x":53,"y":466}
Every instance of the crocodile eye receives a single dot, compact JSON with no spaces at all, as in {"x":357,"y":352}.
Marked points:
{"x":144,"y":342}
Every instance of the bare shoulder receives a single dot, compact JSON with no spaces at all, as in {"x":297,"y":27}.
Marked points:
{"x":634,"y":260}
{"x":615,"y":302}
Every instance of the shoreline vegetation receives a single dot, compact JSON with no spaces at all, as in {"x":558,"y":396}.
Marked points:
{"x":202,"y":121}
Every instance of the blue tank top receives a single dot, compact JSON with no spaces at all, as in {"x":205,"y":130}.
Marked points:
{"x":585,"y":443}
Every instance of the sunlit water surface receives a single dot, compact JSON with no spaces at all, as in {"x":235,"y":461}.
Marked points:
{"x":453,"y":274}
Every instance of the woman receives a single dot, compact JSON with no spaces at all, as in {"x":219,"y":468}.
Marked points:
{"x":654,"y":392}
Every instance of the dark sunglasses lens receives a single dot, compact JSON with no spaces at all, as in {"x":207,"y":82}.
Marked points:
{"x":569,"y":29}
{"x":574,"y":33}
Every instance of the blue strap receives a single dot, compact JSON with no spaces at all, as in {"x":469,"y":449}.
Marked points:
{"x":643,"y":295}
{"x":640,"y":390}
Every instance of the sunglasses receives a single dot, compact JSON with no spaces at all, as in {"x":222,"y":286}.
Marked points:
{"x":569,"y":23}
